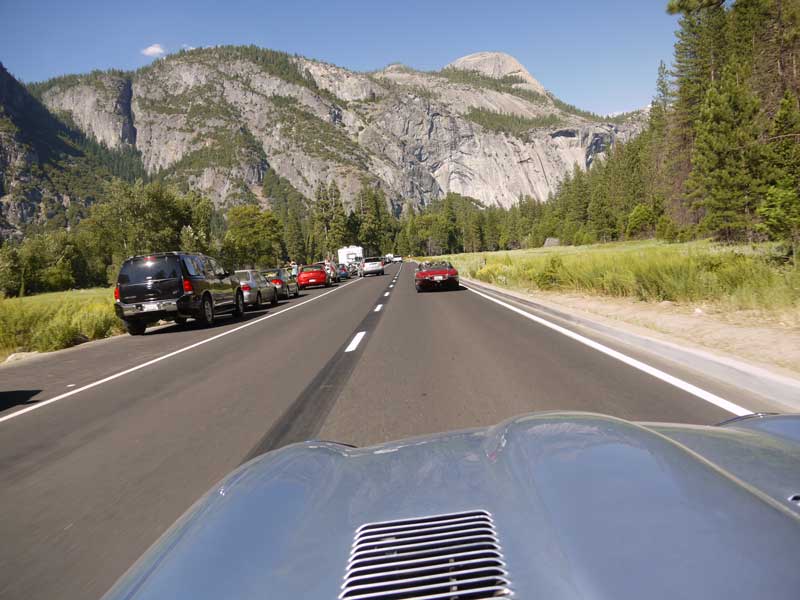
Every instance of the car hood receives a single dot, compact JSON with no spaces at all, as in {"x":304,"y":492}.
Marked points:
{"x":585,"y":506}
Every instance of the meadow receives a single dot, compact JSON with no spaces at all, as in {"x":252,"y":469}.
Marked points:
{"x":56,"y":320}
{"x":732,"y":277}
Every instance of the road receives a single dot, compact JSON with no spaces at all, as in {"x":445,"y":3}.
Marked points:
{"x":89,"y":480}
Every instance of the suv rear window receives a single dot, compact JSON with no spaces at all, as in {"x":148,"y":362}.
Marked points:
{"x":150,"y":268}
{"x":366,"y":260}
{"x":312,"y":268}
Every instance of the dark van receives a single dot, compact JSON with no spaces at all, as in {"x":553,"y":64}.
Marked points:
{"x":174,"y":286}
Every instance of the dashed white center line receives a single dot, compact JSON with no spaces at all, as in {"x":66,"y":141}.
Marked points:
{"x":355,"y":341}
{"x":385,"y":294}
{"x":378,"y":308}
{"x":391,"y":286}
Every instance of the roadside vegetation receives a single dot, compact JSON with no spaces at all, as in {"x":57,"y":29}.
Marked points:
{"x":732,"y":277}
{"x":56,"y":320}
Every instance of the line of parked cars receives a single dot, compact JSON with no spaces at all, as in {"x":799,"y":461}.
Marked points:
{"x":177,"y":286}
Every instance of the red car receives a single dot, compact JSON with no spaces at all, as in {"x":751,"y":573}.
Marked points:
{"x":313,"y":275}
{"x":436,"y":276}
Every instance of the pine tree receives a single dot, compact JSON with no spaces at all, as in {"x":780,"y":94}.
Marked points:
{"x":780,"y":212}
{"x":293,"y":237}
{"x":338,"y":227}
{"x":727,"y":168}
{"x":321,"y":222}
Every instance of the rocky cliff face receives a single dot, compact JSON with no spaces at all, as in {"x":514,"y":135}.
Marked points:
{"x":216,"y":119}
{"x":100,"y":105}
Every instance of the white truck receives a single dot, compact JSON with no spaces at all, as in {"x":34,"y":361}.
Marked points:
{"x":350,"y":255}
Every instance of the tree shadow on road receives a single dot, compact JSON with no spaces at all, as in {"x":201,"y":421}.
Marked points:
{"x":9,"y":399}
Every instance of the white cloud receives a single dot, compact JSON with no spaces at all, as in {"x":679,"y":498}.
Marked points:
{"x":154,"y":50}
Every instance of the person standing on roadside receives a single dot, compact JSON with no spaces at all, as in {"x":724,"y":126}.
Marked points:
{"x":294,"y":268}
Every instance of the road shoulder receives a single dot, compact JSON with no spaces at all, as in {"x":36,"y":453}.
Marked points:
{"x":696,"y":341}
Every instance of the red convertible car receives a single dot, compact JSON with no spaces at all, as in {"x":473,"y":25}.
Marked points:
{"x":313,"y":275}
{"x":435,"y":276}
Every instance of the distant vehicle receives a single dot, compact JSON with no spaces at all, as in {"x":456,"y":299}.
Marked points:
{"x":547,"y":505}
{"x":436,"y":276}
{"x":389,"y":258}
{"x":284,"y":281}
{"x":174,"y":286}
{"x":350,"y":255}
{"x":256,"y":288}
{"x":331,"y":270}
{"x":397,"y":259}
{"x":312,"y":276}
{"x":371,"y":266}
{"x":344,"y":273}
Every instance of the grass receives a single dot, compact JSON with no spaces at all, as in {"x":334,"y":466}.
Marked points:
{"x":745,"y":277}
{"x":57,"y":320}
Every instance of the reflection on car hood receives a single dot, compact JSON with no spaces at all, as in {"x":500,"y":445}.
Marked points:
{"x":585,"y":506}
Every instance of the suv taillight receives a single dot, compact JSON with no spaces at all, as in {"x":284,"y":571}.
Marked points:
{"x":116,"y":292}
{"x":245,"y":287}
{"x":187,"y":286}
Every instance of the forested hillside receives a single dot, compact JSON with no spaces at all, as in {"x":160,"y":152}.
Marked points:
{"x":721,"y":154}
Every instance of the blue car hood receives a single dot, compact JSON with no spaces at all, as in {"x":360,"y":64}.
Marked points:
{"x":585,"y":507}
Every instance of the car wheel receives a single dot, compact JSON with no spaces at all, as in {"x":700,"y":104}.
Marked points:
{"x":258,"y":301}
{"x":180,"y":320}
{"x":274,"y":297}
{"x":382,"y":273}
{"x":207,"y":311}
{"x":327,"y":283}
{"x":238,"y":306}
{"x":297,"y":292}
{"x":418,"y":290}
{"x":135,"y":327}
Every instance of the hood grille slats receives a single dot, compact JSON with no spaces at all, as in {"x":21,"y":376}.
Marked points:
{"x":442,"y":557}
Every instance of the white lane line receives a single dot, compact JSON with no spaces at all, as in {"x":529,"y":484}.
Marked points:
{"x":391,"y":286}
{"x":355,"y":341}
{"x":166,"y":356}
{"x":378,"y":308}
{"x":385,"y":294}
{"x":632,"y":362}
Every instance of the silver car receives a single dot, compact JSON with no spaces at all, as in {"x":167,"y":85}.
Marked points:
{"x":371,"y":266}
{"x":553,"y":505}
{"x":256,"y":288}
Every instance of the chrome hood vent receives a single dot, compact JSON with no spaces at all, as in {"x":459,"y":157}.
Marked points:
{"x":443,"y":557}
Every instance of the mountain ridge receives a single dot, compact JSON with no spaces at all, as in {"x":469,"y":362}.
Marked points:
{"x":217,"y":119}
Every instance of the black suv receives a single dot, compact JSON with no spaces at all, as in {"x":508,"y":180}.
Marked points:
{"x":174,"y":286}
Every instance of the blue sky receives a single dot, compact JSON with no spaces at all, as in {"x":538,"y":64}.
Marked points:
{"x":599,"y":55}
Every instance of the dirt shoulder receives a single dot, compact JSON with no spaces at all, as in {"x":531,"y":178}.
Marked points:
{"x":768,"y":341}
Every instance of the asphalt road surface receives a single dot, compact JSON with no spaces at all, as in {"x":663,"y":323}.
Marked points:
{"x":121,"y":436}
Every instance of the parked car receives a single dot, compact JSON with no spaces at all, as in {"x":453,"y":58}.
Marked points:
{"x":256,"y":288}
{"x":284,"y":281}
{"x":397,"y":259}
{"x":343,"y":272}
{"x":554,"y":505}
{"x":174,"y":286}
{"x":313,"y":275}
{"x":435,"y":276}
{"x":371,"y":266}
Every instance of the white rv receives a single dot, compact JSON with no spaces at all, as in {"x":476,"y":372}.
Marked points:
{"x":350,"y":255}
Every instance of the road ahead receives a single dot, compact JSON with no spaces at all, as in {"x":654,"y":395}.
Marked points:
{"x":90,"y":480}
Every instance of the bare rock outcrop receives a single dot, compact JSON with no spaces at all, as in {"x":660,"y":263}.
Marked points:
{"x":218,"y":119}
